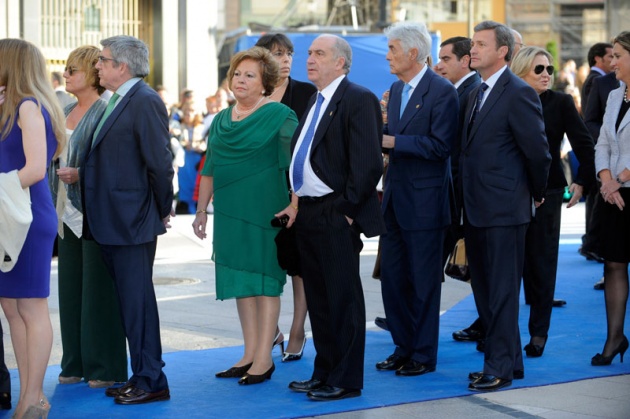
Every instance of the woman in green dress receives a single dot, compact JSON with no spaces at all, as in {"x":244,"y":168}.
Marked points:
{"x":248,"y":153}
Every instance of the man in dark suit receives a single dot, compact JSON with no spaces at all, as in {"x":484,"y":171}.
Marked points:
{"x":593,"y":111}
{"x":418,"y":137}
{"x":600,"y":59}
{"x":504,"y":164}
{"x":336,"y":166}
{"x":454,"y":65}
{"x":128,"y":194}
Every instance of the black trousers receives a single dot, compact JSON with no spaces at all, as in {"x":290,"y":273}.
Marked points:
{"x":542,"y":242}
{"x":329,"y":252}
{"x":591,"y":238}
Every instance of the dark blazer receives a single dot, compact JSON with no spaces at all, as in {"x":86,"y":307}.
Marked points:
{"x":417,"y":181}
{"x":505,"y":159}
{"x":297,"y":95}
{"x":351,"y":165}
{"x":561,"y":116}
{"x":127,"y":174}
{"x":586,"y":87}
{"x":593,"y":110}
{"x":463,"y":93}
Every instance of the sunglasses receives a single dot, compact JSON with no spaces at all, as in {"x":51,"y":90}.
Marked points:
{"x":540,"y":68}
{"x":71,"y":70}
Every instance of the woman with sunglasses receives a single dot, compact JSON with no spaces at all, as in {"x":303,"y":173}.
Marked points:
{"x":92,"y":337}
{"x":613,"y":169}
{"x":533,"y":65}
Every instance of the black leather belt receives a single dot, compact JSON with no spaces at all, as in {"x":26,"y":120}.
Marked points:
{"x":310,"y":199}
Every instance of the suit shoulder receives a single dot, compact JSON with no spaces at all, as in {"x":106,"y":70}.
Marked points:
{"x":360,"y":91}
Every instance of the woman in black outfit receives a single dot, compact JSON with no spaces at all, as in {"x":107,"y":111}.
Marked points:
{"x":532,"y":64}
{"x":295,"y":94}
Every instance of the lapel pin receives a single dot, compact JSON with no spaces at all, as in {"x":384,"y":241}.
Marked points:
{"x":417,"y":106}
{"x":330,"y":114}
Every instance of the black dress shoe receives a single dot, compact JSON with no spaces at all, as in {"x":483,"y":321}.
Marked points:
{"x":481,"y":345}
{"x":392,"y":363}
{"x":412,"y":368}
{"x":306,"y":386}
{"x":468,"y":335}
{"x":115,"y":391}
{"x":139,"y":396}
{"x":489,"y":383}
{"x":382,"y":323}
{"x":559,"y":303}
{"x":517,"y":374}
{"x":330,"y":393}
{"x":5,"y":401}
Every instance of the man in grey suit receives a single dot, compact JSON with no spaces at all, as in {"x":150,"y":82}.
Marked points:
{"x":504,"y":163}
{"x":128,"y":194}
{"x":336,"y":166}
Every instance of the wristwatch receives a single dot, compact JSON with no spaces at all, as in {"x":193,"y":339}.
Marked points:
{"x":619,"y":181}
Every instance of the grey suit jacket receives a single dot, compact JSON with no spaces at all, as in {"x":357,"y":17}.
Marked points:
{"x":612,"y":150}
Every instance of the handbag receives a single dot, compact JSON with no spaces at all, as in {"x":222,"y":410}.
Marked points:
{"x":457,"y":265}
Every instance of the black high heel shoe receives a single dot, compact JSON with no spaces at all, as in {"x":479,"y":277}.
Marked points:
{"x":234,"y":372}
{"x":288,"y":356}
{"x":599,"y":359}
{"x":533,"y":350}
{"x":278,"y":340}
{"x":257,"y":379}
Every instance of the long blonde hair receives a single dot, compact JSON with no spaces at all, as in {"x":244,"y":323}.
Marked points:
{"x":23,"y":72}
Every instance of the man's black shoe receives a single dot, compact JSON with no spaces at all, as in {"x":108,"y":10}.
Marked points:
{"x":468,"y":335}
{"x":381,"y":322}
{"x":489,"y":383}
{"x":306,"y":385}
{"x":559,"y":303}
{"x":517,"y":374}
{"x":392,"y":363}
{"x":330,"y":393}
{"x":413,"y":368}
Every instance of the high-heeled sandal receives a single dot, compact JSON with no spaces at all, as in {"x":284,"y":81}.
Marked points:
{"x":288,"y":356}
{"x":37,"y":411}
{"x":278,"y":340}
{"x":535,"y":351}
{"x":600,"y":360}
{"x":257,"y":379}
{"x":234,"y":372}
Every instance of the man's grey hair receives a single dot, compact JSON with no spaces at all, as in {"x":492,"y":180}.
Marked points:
{"x":502,"y":33}
{"x":343,"y":50}
{"x":411,"y":35}
{"x":131,"y":51}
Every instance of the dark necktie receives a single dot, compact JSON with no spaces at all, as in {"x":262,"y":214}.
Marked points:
{"x":480,"y":92}
{"x":300,"y":156}
{"x":404,"y":98}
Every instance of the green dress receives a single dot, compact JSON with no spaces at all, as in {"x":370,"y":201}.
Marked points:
{"x":247,"y":160}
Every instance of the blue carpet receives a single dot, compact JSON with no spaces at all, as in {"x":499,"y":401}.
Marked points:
{"x":578,"y":331}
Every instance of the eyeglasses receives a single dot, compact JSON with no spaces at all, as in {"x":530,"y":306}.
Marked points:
{"x":102,"y":59}
{"x":71,"y":70}
{"x":540,"y":68}
{"x":280,"y":54}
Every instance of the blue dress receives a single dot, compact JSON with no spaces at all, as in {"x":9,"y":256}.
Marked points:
{"x":30,"y":277}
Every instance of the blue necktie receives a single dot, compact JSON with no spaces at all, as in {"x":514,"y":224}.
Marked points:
{"x":108,"y":110}
{"x":480,"y":92}
{"x":404,"y":98}
{"x":300,"y":156}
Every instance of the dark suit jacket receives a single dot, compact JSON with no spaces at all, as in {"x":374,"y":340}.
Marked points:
{"x":504,"y":162}
{"x":297,"y":95}
{"x":418,"y":175}
{"x":593,"y":110}
{"x":586,"y":87}
{"x":346,"y":153}
{"x":561,"y":116}
{"x":127,"y":175}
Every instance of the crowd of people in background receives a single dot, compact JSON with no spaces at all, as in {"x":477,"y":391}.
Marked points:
{"x":474,"y":147}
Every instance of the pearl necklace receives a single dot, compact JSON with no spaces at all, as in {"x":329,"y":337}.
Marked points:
{"x":246,"y":111}
{"x":626,"y":99}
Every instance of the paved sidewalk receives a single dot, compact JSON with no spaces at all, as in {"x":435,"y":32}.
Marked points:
{"x":192,"y":319}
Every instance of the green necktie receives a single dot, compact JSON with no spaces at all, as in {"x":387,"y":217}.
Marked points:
{"x":108,"y":110}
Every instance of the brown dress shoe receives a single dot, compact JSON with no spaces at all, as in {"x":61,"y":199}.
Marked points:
{"x":115,"y":391}
{"x":139,"y":396}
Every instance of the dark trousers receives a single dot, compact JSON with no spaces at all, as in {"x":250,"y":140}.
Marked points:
{"x":5,"y":376}
{"x":411,"y":284}
{"x":329,"y":252}
{"x":541,"y":262}
{"x":131,"y":267}
{"x":591,"y":238}
{"x":495,"y":259}
{"x":92,"y":334}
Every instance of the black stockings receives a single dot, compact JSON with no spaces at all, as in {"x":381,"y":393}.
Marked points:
{"x":616,"y":294}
